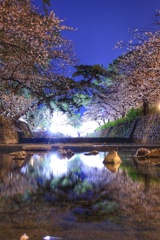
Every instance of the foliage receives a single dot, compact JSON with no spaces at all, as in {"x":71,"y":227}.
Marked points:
{"x":100,"y":84}
{"x":113,"y":123}
{"x":74,"y":120}
{"x":139,"y":65}
{"x":95,"y":79}
{"x":39,"y":118}
{"x":34,"y":57}
{"x":134,"y":78}
{"x":130,"y":116}
{"x":90,"y":73}
{"x":133,"y":113}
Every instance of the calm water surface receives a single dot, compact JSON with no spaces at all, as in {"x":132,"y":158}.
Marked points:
{"x":48,"y":197}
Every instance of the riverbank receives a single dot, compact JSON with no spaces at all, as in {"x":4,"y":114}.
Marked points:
{"x":83,"y":147}
{"x":145,"y":130}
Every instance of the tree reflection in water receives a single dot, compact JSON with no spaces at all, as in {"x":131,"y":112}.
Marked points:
{"x":44,"y":193}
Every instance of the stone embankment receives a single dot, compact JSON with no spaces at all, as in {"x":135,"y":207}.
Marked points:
{"x":8,"y":131}
{"x":143,"y":130}
{"x":147,"y":130}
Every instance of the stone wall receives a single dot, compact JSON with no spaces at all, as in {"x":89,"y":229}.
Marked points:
{"x":24,"y":129}
{"x":11,"y":131}
{"x":122,"y":130}
{"x":147,"y":130}
{"x":8,"y":131}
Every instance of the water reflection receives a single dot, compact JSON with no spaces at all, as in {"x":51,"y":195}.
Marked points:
{"x":50,"y":165}
{"x":112,"y":167}
{"x":69,"y":198}
{"x":77,"y":176}
{"x":51,"y":238}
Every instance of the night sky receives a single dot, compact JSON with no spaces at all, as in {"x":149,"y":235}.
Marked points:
{"x":102,"y":23}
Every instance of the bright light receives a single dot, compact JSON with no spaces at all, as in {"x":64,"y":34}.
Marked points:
{"x":60,"y":124}
{"x":51,"y":238}
{"x":52,"y":165}
{"x":57,"y":166}
{"x":88,"y":127}
{"x":94,"y":161}
{"x":66,"y":130}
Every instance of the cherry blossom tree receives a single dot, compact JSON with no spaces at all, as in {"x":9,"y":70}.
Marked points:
{"x":33,"y":57}
{"x":132,"y":80}
{"x":140,"y":67}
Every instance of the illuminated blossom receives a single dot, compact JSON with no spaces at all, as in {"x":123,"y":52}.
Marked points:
{"x":33,"y":54}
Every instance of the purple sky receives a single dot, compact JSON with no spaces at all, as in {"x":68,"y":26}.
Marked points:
{"x":102,"y":23}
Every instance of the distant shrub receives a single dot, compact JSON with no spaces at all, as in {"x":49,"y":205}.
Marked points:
{"x":132,"y":114}
{"x":113,"y":123}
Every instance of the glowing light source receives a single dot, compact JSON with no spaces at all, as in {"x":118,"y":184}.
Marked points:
{"x":60,"y":125}
{"x":57,"y":166}
{"x":51,"y":238}
{"x":92,"y":161}
{"x":88,"y":127}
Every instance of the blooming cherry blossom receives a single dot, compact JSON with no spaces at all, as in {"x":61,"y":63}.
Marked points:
{"x":33,"y":55}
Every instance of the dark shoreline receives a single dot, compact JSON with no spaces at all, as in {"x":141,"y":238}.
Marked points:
{"x":82,"y":147}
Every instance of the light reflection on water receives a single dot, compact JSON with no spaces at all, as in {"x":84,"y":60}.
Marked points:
{"x":79,"y":198}
{"x":58,"y":166}
{"x":49,"y":166}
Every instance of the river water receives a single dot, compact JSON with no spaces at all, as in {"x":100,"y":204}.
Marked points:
{"x":49,"y":197}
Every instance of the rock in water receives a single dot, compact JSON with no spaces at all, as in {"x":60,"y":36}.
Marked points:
{"x":155,"y":153}
{"x":113,"y":167}
{"x":24,"y":237}
{"x":142,"y":152}
{"x":94,"y":152}
{"x":18,"y":155}
{"x":146,"y":153}
{"x":112,"y":157}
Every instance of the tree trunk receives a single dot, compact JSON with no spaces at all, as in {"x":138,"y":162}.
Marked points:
{"x":145,"y":107}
